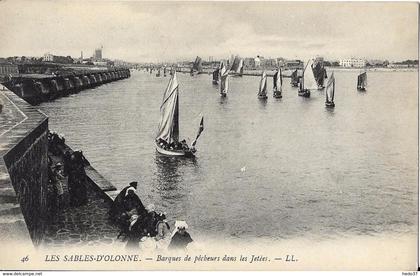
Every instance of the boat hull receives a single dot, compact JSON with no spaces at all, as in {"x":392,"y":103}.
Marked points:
{"x":277,"y":94}
{"x":361,"y":89}
{"x":262,"y":97}
{"x":305,"y":93}
{"x":223,"y":95}
{"x":329,"y":104}
{"x":173,"y":152}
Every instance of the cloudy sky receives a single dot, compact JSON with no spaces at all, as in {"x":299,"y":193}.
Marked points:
{"x":168,"y":31}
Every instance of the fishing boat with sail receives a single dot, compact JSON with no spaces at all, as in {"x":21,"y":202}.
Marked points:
{"x":362,"y":81}
{"x":197,"y":66}
{"x":237,"y":68}
{"x":262,"y":91}
{"x":307,"y":82}
{"x":294,"y":78}
{"x":277,"y":84}
{"x":330,"y":91}
{"x":216,"y":76}
{"x":167,"y":139}
{"x":320,"y":73}
{"x":224,"y":80}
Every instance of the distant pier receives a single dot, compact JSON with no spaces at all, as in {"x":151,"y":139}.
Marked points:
{"x":37,"y":88}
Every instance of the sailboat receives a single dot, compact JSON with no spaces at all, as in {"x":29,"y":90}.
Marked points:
{"x":262,"y":91}
{"x":224,"y":80}
{"x":197,"y":67}
{"x":237,"y":68}
{"x":294,"y":78}
{"x":216,"y":76}
{"x":330,"y":91}
{"x":277,"y":84}
{"x":158,"y":73}
{"x":307,"y":82}
{"x":319,"y":73}
{"x":362,"y":82}
{"x":167,"y":138}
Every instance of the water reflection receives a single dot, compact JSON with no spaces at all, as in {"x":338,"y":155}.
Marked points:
{"x":329,"y":111}
{"x":168,"y":170}
{"x":262,"y":103}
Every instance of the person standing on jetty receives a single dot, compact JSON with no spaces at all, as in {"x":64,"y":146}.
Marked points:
{"x":77,"y":179}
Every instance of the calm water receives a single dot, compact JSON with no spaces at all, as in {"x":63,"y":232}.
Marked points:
{"x":277,"y":169}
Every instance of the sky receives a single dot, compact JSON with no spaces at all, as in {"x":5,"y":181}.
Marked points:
{"x":171,"y":31}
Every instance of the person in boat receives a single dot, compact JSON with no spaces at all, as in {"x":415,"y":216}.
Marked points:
{"x":181,"y":238}
{"x":184,"y":145}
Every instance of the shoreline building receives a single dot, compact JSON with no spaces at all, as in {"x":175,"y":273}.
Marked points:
{"x":97,"y":55}
{"x":353,"y":62}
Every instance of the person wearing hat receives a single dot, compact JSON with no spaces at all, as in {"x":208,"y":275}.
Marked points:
{"x":125,"y":203}
{"x":117,"y":206}
{"x":180,"y":238}
{"x":58,"y":183}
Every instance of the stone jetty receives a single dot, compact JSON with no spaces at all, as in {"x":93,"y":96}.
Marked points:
{"x":37,"y":88}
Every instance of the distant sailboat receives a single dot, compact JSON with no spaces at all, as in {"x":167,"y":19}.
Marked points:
{"x":362,"y":82}
{"x":167,"y":139}
{"x":330,"y":91}
{"x":307,"y":82}
{"x":294,"y":78}
{"x":224,"y":80}
{"x":277,"y":84}
{"x":237,"y":68}
{"x":216,"y":76}
{"x":262,"y":91}
{"x":158,"y":73}
{"x":320,"y":73}
{"x":197,"y":67}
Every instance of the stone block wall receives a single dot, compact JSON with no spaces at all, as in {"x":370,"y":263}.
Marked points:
{"x":23,"y":172}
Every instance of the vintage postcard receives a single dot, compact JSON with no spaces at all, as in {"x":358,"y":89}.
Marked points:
{"x":208,"y":135}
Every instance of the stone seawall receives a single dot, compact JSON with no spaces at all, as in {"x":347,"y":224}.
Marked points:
{"x":37,"y":88}
{"x":23,"y":170}
{"x":24,"y":208}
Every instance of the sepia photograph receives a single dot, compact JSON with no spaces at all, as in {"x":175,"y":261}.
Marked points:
{"x":209,"y":135}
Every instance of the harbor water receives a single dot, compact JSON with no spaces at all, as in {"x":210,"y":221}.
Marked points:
{"x":275,"y":169}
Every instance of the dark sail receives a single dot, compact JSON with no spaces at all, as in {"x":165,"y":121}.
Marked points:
{"x":362,"y":81}
{"x":216,"y":75}
{"x":294,"y":78}
{"x":197,"y":65}
{"x":319,"y":73}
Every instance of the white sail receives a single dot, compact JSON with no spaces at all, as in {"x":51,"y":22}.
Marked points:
{"x":169,"y":125}
{"x":329,"y":90}
{"x":240,"y":67}
{"x":224,"y":82}
{"x":309,"y":81}
{"x":278,"y":81}
{"x":263,"y":85}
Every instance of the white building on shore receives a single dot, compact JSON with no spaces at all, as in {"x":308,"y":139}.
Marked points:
{"x":353,"y":62}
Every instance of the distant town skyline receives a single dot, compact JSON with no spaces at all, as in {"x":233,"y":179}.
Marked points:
{"x":175,"y":31}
